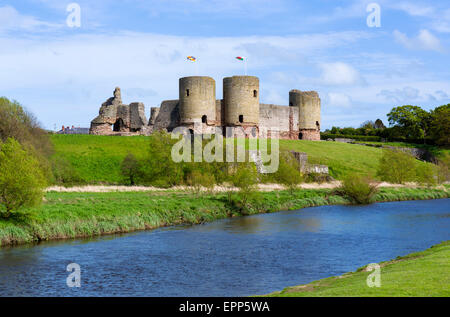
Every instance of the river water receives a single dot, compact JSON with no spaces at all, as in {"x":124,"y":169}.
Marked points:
{"x":231,"y":257}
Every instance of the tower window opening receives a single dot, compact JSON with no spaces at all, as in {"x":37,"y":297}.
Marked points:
{"x":318,"y":125}
{"x":241,"y":118}
{"x":255,"y":93}
{"x":291,"y":104}
{"x":187,"y":92}
{"x":204,"y":118}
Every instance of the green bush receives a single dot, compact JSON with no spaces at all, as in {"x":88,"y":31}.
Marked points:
{"x":288,"y":172}
{"x":426,"y":174}
{"x":358,"y":189}
{"x":130,"y":169}
{"x":21,"y":125}
{"x":245,"y":178}
{"x":443,"y":169}
{"x":64,"y":173}
{"x":197,"y":180}
{"x":158,"y":169}
{"x":396,"y":166}
{"x":22,"y":181}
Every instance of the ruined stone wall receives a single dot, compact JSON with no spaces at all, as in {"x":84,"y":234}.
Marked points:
{"x":115,"y":118}
{"x":284,"y":118}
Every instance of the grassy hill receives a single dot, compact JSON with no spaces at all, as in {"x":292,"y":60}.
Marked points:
{"x":418,"y":274}
{"x":97,"y":158}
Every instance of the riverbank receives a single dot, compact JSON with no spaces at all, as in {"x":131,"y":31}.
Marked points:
{"x":73,"y":215}
{"x":418,"y":274}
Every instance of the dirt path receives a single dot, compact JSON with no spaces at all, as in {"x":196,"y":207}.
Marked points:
{"x":262,"y":187}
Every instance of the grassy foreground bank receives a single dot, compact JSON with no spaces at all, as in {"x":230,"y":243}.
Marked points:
{"x":419,"y":274}
{"x":72,"y":215}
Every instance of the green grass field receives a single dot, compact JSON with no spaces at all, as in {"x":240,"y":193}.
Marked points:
{"x":70,"y":215}
{"x":97,"y":158}
{"x":419,"y":274}
{"x":435,"y":150}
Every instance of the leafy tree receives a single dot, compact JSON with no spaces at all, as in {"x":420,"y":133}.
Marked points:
{"x":21,"y":125}
{"x":413,"y":120}
{"x":158,"y":168}
{"x":246,"y":178}
{"x":396,"y":166}
{"x":22,"y":181}
{"x":130,"y":168}
{"x":440,"y":125}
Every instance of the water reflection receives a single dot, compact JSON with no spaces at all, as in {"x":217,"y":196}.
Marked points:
{"x":230,"y":257}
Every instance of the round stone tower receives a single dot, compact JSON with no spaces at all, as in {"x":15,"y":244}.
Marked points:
{"x":308,"y":103}
{"x":197,"y":100}
{"x":241,"y":100}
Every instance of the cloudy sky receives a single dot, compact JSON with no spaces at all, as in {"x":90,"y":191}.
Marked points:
{"x":63,"y":74}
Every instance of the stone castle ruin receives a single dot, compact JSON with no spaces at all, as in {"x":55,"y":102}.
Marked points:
{"x":198,"y":110}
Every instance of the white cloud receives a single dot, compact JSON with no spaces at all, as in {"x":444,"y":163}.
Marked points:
{"x":11,"y":19}
{"x":411,"y":95}
{"x":340,"y":74}
{"x":339,"y":100}
{"x":414,"y":9}
{"x":425,"y":40}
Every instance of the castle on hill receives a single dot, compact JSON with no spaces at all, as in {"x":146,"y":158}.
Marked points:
{"x":198,"y":110}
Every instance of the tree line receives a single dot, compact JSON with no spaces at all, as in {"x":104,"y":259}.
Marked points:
{"x":406,"y":123}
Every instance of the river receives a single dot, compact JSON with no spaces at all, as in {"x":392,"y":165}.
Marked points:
{"x":231,"y":257}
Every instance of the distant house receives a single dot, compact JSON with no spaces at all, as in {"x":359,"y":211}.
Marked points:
{"x":73,"y":130}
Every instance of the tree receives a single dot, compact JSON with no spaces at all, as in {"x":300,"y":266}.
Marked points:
{"x":130,"y":168}
{"x":158,"y":168}
{"x":22,"y":181}
{"x":245,"y":179}
{"x":440,"y":125}
{"x":413,"y":120}
{"x":396,"y":166}
{"x":21,"y":125}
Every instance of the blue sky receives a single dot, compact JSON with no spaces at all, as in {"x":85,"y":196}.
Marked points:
{"x":63,"y":74}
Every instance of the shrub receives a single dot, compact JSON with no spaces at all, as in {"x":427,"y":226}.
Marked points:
{"x":443,"y":169}
{"x":158,"y":168}
{"x":288,"y":172}
{"x":64,"y":173}
{"x":358,"y":189}
{"x":396,"y":166}
{"x":21,"y":125}
{"x":22,"y":181}
{"x":130,"y":168}
{"x":426,"y":174}
{"x":246,"y":178}
{"x":197,"y":180}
